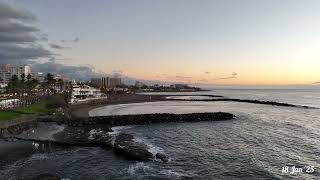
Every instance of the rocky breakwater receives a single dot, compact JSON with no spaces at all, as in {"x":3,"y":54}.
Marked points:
{"x":96,"y":131}
{"x":271,"y":103}
{"x":144,"y":119}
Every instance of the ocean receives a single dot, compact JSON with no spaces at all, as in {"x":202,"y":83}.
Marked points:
{"x":262,"y":142}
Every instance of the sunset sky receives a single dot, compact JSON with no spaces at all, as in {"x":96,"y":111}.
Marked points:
{"x":197,"y":41}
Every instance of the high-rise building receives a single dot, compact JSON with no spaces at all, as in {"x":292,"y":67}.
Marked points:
{"x":114,"y":82}
{"x":20,"y":69}
{"x":105,"y":82}
{"x":7,"y":67}
{"x":5,"y":74}
{"x":8,"y":70}
{"x":4,"y":77}
{"x":26,"y":70}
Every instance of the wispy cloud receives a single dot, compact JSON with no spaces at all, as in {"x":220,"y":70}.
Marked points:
{"x":59,"y":47}
{"x":75,"y":40}
{"x":233,"y":76}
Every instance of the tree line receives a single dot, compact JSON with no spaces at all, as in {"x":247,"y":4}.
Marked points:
{"x":30,"y":90}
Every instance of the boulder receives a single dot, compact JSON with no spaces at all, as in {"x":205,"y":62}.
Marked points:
{"x":126,"y":146}
{"x":162,"y":157}
{"x":100,"y":137}
{"x":84,"y":136}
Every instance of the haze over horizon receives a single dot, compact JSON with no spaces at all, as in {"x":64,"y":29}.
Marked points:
{"x":244,"y":42}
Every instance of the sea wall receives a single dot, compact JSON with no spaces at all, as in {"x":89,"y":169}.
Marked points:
{"x":141,"y":119}
{"x":119,"y":120}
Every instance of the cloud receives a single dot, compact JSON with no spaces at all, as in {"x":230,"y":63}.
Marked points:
{"x":22,"y":42}
{"x":19,"y":37}
{"x":207,"y":72}
{"x":8,"y":11}
{"x":81,"y":72}
{"x":75,"y":40}
{"x":56,"y":46}
{"x":233,"y":76}
{"x":318,"y":82}
{"x":15,"y":27}
{"x":117,"y":73}
{"x":12,"y":53}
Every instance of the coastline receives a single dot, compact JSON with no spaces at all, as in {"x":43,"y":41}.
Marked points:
{"x":82,"y":110}
{"x":84,"y":131}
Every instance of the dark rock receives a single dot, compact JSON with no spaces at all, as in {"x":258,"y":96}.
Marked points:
{"x":126,"y":146}
{"x":46,"y":177}
{"x":73,"y":136}
{"x":18,"y":128}
{"x":100,"y":137}
{"x":140,"y":119}
{"x":84,"y":136}
{"x":121,"y":138}
{"x":162,"y":157}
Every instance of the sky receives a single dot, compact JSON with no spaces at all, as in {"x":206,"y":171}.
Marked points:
{"x":243,"y":42}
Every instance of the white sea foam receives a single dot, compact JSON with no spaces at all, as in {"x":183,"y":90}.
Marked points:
{"x":172,"y":173}
{"x":94,"y":132}
{"x":118,"y":129}
{"x":140,"y":166}
{"x":151,"y":148}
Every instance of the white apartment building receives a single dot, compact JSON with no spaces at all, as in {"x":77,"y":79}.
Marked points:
{"x":8,"y":70}
{"x":80,"y":92}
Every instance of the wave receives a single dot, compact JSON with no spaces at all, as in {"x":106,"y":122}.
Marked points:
{"x":140,"y":166}
{"x":118,"y":129}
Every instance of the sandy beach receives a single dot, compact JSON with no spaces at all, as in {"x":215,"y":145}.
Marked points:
{"x":82,"y":110}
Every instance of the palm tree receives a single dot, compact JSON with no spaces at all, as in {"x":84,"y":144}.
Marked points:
{"x":29,"y":77}
{"x":29,"y":86}
{"x":13,"y":84}
{"x":49,"y":83}
{"x":22,"y":88}
{"x":60,"y":83}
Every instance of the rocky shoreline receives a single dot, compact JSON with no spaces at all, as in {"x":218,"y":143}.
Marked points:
{"x":76,"y":128}
{"x":96,"y":131}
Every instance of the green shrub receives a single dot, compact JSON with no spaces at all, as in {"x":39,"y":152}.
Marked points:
{"x":56,"y":101}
